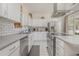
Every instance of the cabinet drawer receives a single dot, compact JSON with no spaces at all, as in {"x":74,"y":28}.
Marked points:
{"x":16,"y":52}
{"x":60,"y":46}
{"x":59,"y":50}
{"x":59,"y":43}
{"x":59,"y":54}
{"x":8,"y":50}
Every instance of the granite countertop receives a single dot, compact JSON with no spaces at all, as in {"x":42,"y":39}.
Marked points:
{"x":69,"y":39}
{"x":9,"y":39}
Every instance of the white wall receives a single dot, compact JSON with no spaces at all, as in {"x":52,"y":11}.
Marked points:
{"x":43,"y":22}
{"x":39,"y":35}
{"x":39,"y":22}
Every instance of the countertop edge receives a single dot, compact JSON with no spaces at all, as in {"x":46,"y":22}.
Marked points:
{"x":13,"y":42}
{"x":66,"y":41}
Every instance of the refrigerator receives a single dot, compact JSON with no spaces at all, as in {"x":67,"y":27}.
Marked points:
{"x":54,"y":28}
{"x":50,"y":38}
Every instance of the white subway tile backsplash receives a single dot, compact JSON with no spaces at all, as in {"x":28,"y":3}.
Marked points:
{"x":7,"y":28}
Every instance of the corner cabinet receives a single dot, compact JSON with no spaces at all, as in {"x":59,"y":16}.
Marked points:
{"x":10,"y":11}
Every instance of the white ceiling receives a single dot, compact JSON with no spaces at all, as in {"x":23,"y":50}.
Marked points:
{"x":43,"y":9}
{"x":40,"y":7}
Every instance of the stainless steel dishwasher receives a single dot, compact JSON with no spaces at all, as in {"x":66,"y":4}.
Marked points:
{"x":24,"y":46}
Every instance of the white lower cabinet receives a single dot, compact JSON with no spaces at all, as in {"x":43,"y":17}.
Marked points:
{"x":16,"y":52}
{"x":24,"y":20}
{"x":63,"y":48}
{"x":60,"y":47}
{"x":11,"y":50}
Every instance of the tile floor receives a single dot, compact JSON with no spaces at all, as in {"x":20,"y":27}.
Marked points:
{"x":43,"y":47}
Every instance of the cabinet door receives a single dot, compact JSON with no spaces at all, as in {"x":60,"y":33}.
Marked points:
{"x":70,"y":24}
{"x":29,"y":21}
{"x":65,"y":6}
{"x":24,"y":20}
{"x":3,"y":10}
{"x":0,"y":9}
{"x":16,"y":52}
{"x":59,"y":47}
{"x":14,"y":11}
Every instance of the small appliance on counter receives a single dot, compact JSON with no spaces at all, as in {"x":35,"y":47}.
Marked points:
{"x":26,"y":30}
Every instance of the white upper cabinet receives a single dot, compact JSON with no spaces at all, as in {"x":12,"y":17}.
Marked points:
{"x":10,"y":11}
{"x":3,"y":10}
{"x":26,"y":19}
{"x":29,"y":21}
{"x":24,"y":16}
{"x":60,"y":6}
{"x":14,"y":11}
{"x":65,"y":6}
{"x":76,"y":7}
